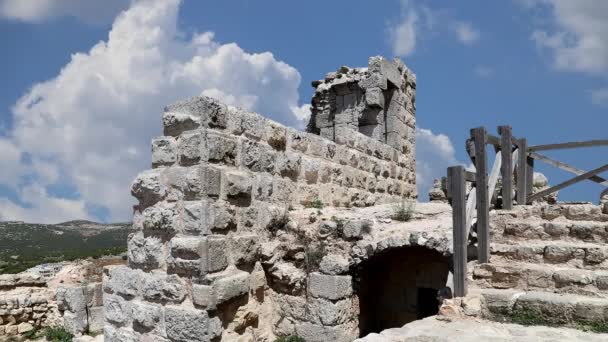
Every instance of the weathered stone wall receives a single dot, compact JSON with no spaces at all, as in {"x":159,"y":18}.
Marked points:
{"x":222,"y":184}
{"x":25,"y":303}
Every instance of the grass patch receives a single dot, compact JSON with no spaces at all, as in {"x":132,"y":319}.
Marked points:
{"x":404,"y":211}
{"x":316,"y":203}
{"x":57,"y":334}
{"x":528,"y":317}
{"x":290,"y":339}
{"x":596,"y":327}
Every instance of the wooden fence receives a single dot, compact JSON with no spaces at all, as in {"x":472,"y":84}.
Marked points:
{"x":512,"y":156}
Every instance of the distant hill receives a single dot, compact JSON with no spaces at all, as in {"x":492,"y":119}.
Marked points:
{"x":23,"y":245}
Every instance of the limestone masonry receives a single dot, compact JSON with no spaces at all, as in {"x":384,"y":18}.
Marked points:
{"x":214,"y":209}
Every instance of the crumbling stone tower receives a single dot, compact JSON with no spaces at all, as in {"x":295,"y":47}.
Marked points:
{"x":222,"y":184}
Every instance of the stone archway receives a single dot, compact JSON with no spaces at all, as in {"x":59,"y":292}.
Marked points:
{"x":398,"y":286}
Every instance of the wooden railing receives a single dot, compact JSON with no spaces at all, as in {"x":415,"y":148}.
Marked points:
{"x":512,"y":155}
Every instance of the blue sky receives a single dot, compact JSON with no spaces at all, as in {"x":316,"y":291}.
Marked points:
{"x":83,"y":85}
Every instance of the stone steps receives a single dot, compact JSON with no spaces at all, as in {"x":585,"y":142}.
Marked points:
{"x":573,"y":212}
{"x":582,"y":255}
{"x":536,"y":277}
{"x":564,"y":230}
{"x":543,"y":308}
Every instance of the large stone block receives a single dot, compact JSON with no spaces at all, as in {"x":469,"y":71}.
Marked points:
{"x":177,"y":123}
{"x":220,"y":149}
{"x":211,"y":180}
{"x":185,"y":257}
{"x":329,"y":286}
{"x":186,"y":325}
{"x":317,"y":333}
{"x":73,"y":298}
{"x":96,"y":319}
{"x":229,"y":284}
{"x":244,"y":248}
{"x":204,"y":296}
{"x":374,"y":97}
{"x":161,"y":218}
{"x":148,"y":318}
{"x":147,"y":188}
{"x":163,"y":288}
{"x":164,"y":151}
{"x":257,"y":157}
{"x":183,"y":183}
{"x":237,"y":185}
{"x":221,"y":216}
{"x":145,"y":252}
{"x":75,"y":322}
{"x":253,"y":125}
{"x":288,"y":165}
{"x":117,"y":310}
{"x":213,"y":252}
{"x":122,"y":280}
{"x":192,"y":216}
{"x":276,"y":136}
{"x":189,"y":148}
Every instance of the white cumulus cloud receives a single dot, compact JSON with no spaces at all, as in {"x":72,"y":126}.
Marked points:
{"x":576,"y":34}
{"x":405,"y":33}
{"x":434,"y":154}
{"x":35,"y":11}
{"x":90,"y":126}
{"x":465,"y":32}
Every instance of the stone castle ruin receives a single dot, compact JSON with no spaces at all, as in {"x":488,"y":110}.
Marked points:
{"x":219,"y":252}
{"x":247,"y":230}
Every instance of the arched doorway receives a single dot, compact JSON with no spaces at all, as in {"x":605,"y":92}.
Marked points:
{"x":398,"y":286}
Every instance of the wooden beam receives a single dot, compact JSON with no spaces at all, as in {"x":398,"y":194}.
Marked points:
{"x":480,"y":138}
{"x":569,"y":182}
{"x":470,"y":176}
{"x":567,"y":168}
{"x":574,"y":144}
{"x":493,"y":140}
{"x":506,"y":146}
{"x":522,"y":178}
{"x":460,"y":239}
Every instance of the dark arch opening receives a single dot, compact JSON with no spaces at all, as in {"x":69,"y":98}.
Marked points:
{"x":399,"y":286}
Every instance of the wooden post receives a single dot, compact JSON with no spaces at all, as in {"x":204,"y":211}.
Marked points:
{"x":506,"y":146}
{"x":522,"y":169}
{"x":480,"y":137}
{"x":529,"y":177}
{"x":456,"y":176}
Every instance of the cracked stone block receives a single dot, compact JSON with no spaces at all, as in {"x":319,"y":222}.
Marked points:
{"x":117,"y":309}
{"x":123,"y":281}
{"x":288,"y":165}
{"x":329,"y":286}
{"x":147,"y":188}
{"x":160,"y":287}
{"x":189,"y":148}
{"x":238,"y":185}
{"x":257,"y":157}
{"x":177,"y":123}
{"x":244,"y":248}
{"x":160,"y":218}
{"x":183,"y":183}
{"x":145,"y":252}
{"x":148,"y":318}
{"x":186,"y":325}
{"x":221,"y":149}
{"x":164,"y":151}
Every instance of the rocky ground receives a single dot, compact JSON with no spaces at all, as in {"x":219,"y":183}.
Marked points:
{"x":434,"y":329}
